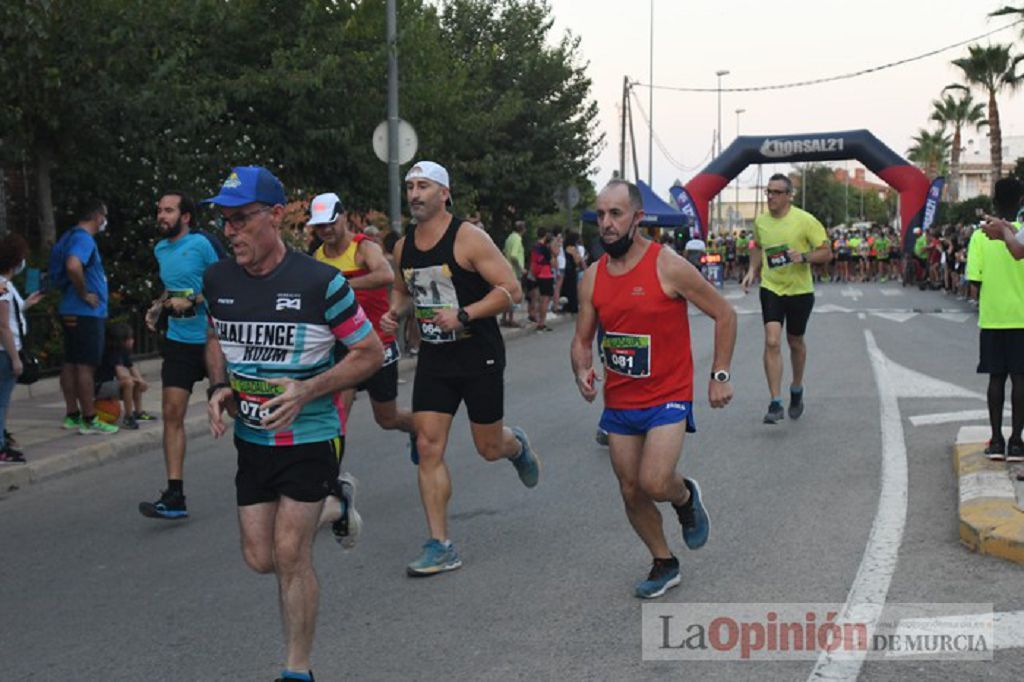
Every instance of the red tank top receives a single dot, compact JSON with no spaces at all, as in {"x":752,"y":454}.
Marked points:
{"x":374,"y":302}
{"x":645,"y":342}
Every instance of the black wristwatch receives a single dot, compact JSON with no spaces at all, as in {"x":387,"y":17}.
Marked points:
{"x":463,"y":317}
{"x":216,"y":387}
{"x":721,"y":376}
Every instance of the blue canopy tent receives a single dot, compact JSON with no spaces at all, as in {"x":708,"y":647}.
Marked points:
{"x":657,"y":212}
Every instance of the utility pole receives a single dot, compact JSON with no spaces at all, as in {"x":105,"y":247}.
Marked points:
{"x":650,"y":110}
{"x":622,"y":136}
{"x":736,"y":206}
{"x":718,"y":137}
{"x":394,"y":195}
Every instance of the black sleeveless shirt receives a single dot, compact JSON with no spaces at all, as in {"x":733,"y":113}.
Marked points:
{"x":435,"y":280}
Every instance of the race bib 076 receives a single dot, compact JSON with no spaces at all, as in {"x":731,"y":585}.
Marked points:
{"x":251,"y":393}
{"x":627,"y":354}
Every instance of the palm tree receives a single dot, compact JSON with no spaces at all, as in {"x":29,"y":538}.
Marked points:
{"x":992,"y":68}
{"x":930,"y":151}
{"x":958,"y":113}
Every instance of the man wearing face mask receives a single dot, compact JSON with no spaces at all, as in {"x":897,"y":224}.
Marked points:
{"x":76,"y":269}
{"x":183,"y":256}
{"x":638,"y":292}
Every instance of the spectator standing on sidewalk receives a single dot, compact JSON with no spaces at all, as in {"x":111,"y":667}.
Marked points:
{"x":13,"y":250}
{"x":76,"y":269}
{"x":1001,"y":319}
{"x":516,"y":257}
{"x":542,"y":272}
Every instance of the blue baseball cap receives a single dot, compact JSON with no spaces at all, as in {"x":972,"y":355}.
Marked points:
{"x":247,"y":184}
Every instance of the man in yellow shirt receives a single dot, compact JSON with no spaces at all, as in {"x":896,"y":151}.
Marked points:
{"x":787,"y":241}
{"x":1001,"y":319}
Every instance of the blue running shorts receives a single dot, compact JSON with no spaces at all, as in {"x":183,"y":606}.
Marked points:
{"x":639,"y":422}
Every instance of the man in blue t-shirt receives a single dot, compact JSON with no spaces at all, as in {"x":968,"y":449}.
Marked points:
{"x":79,"y":275}
{"x":183,"y":257}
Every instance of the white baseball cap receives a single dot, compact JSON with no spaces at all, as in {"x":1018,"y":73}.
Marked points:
{"x":431,"y":171}
{"x":324,"y":209}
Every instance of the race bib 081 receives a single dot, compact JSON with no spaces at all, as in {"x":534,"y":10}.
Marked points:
{"x":777,"y":256}
{"x":627,"y":354}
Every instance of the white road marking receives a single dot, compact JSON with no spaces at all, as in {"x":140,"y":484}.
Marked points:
{"x":947,"y":417}
{"x":861,"y":316}
{"x":867,"y":595}
{"x":977,"y":434}
{"x":989,"y":484}
{"x":850,"y":292}
{"x":954,"y":317}
{"x":895,"y":317}
{"x":831,"y":308}
{"x":892,"y":292}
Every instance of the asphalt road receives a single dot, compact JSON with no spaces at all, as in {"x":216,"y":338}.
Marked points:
{"x":93,"y":591}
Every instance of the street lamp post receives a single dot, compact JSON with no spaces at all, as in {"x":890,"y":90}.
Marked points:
{"x":650,"y":110}
{"x":736,"y":208}
{"x":718,"y":137}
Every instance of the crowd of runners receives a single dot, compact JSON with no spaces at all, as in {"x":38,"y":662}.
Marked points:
{"x":285,"y":339}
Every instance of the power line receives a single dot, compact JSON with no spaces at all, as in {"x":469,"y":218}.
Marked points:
{"x":661,"y":145}
{"x":844,"y":76}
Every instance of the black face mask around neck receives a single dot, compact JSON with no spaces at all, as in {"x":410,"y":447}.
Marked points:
{"x":619,"y":247}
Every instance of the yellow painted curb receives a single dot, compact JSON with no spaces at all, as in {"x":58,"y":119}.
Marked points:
{"x":990,"y":522}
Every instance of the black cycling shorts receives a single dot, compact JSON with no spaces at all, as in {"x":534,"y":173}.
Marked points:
{"x":1001,"y":351}
{"x":792,"y":312}
{"x":484,"y":395}
{"x":305,"y":473}
{"x":184,"y":364}
{"x":84,"y":337}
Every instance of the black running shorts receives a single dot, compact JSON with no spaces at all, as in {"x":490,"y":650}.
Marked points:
{"x":484,"y":395}
{"x":792,"y":312}
{"x":383,"y":385}
{"x":1001,"y":351}
{"x":184,"y":364}
{"x":546,"y":286}
{"x":84,"y":337}
{"x":305,"y":473}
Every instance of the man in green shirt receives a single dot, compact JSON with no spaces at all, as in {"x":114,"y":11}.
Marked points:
{"x":515,"y":255}
{"x":1001,"y":319}
{"x":786,"y":242}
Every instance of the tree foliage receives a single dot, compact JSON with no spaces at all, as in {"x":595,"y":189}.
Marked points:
{"x":125,"y":98}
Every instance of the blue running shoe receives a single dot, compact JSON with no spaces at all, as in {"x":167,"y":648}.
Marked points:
{"x":527,"y":464}
{"x":171,"y":505}
{"x":435,"y":558}
{"x":414,"y":454}
{"x":693,"y":517}
{"x":663,"y":576}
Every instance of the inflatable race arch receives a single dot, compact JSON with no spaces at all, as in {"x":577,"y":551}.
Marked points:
{"x":912,"y":184}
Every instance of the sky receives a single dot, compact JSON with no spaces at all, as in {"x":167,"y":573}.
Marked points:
{"x":764,"y":43}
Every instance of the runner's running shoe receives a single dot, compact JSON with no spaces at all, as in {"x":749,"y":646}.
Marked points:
{"x":130,"y":423}
{"x":171,"y":505}
{"x":1015,"y":451}
{"x":796,"y":403}
{"x":527,"y":464}
{"x":693,"y":517}
{"x":663,"y":576}
{"x":9,"y":454}
{"x":436,"y":557}
{"x":601,"y":437}
{"x":96,"y":426}
{"x":143,"y":416}
{"x":996,"y":450}
{"x":775,"y":413}
{"x":72,"y":423}
{"x":346,"y":528}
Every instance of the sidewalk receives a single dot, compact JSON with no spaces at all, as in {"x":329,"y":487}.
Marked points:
{"x":37,"y":411}
{"x":990,"y":522}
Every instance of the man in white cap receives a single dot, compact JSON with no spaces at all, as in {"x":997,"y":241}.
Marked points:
{"x":458,"y":282}
{"x":362,"y":262}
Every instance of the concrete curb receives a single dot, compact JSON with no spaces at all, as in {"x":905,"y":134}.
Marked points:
{"x":990,"y":522}
{"x":129,"y":443}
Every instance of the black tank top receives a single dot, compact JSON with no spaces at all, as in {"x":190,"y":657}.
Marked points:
{"x":435,"y":280}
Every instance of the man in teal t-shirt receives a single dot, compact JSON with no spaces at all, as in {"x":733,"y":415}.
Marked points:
{"x":183,"y":257}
